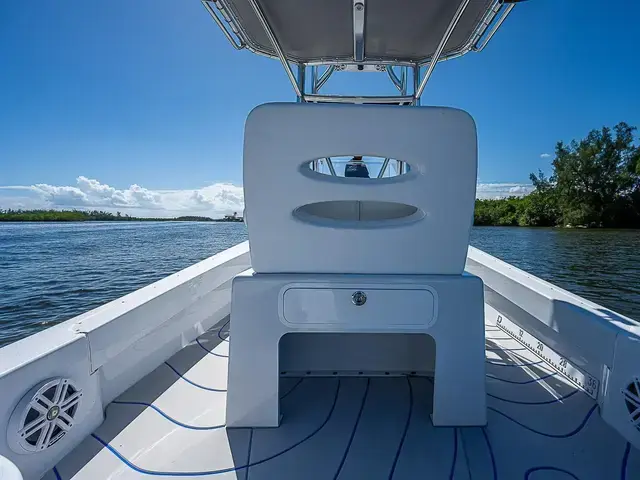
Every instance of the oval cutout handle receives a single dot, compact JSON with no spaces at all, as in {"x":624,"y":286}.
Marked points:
{"x":358,"y":213}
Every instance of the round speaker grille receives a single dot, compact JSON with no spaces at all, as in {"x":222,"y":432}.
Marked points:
{"x":44,"y":415}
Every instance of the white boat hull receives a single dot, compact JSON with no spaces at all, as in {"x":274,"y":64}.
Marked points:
{"x":155,"y":362}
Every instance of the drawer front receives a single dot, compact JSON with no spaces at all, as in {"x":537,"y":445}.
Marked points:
{"x":358,"y":306}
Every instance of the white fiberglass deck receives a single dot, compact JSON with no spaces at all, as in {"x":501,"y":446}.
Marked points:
{"x":171,"y":424}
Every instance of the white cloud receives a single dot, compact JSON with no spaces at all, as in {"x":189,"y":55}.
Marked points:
{"x":545,"y":155}
{"x":500,"y":190}
{"x":214,"y":200}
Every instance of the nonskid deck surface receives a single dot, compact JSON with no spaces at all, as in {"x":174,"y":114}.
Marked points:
{"x":171,"y":424}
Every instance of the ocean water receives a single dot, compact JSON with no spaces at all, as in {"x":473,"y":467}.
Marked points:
{"x":50,"y":272}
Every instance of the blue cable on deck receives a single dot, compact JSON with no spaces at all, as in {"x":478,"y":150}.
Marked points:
{"x":515,"y":364}
{"x":546,"y":402}
{"x":292,"y":388}
{"x":496,"y":349}
{"x":353,"y":431}
{"x":528,"y":473}
{"x":134,"y":467}
{"x":219,"y":331}
{"x":625,"y":460}
{"x":211,"y":351}
{"x":532,"y":380}
{"x":184,"y":425}
{"x":249,"y":453}
{"x":172,"y":420}
{"x":455,"y":453}
{"x":406,"y":429}
{"x":550,"y":435}
{"x":192,"y":382}
{"x":465,"y":452}
{"x":493,"y":458}
{"x":56,"y":473}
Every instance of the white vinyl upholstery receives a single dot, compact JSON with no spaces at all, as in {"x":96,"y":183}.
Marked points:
{"x":438,"y":143}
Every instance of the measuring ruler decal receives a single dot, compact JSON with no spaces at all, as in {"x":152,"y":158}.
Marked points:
{"x":586,"y":382}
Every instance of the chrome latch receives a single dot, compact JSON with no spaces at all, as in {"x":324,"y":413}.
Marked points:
{"x":359,"y":298}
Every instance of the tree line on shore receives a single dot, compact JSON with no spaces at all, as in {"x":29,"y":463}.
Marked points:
{"x":83,"y":216}
{"x":595,"y":182}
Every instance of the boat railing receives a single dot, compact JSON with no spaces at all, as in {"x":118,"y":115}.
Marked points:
{"x":105,"y":351}
{"x":593,"y":347}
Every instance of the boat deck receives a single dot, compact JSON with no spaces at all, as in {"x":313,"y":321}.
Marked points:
{"x":171,"y":424}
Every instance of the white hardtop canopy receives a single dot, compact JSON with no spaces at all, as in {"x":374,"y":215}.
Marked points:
{"x":360,"y":35}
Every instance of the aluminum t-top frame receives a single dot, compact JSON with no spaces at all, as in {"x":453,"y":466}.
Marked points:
{"x":360,"y":35}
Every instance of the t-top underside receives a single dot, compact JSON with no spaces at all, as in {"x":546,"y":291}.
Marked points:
{"x":373,"y":35}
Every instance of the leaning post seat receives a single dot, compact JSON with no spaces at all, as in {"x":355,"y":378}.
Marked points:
{"x":301,"y":221}
{"x":370,"y":271}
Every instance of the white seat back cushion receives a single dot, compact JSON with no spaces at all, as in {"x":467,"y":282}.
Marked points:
{"x":426,"y":214}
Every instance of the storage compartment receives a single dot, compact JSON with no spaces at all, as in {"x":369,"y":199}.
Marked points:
{"x":356,"y":307}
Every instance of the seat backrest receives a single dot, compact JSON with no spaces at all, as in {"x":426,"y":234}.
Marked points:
{"x":302,"y":221}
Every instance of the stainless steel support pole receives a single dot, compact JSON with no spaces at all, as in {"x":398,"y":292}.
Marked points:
{"x":358,"y":30}
{"x":330,"y":165}
{"x":324,"y":77}
{"x":495,"y":28}
{"x":394,"y":78}
{"x":383,"y":169}
{"x":416,"y":83}
{"x":276,"y":46}
{"x":302,"y":70}
{"x":214,"y":15}
{"x":443,"y":42}
{"x":314,"y":79}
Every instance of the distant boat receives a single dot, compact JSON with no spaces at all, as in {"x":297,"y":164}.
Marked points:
{"x":231,"y":218}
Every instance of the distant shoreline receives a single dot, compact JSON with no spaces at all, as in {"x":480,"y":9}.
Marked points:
{"x":79,"y":216}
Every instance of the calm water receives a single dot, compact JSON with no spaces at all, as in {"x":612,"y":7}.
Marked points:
{"x":52,"y":272}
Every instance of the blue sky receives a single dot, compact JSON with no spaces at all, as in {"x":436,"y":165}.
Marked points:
{"x":149,"y":94}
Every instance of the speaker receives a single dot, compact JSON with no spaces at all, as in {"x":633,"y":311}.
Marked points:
{"x":43,"y":416}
